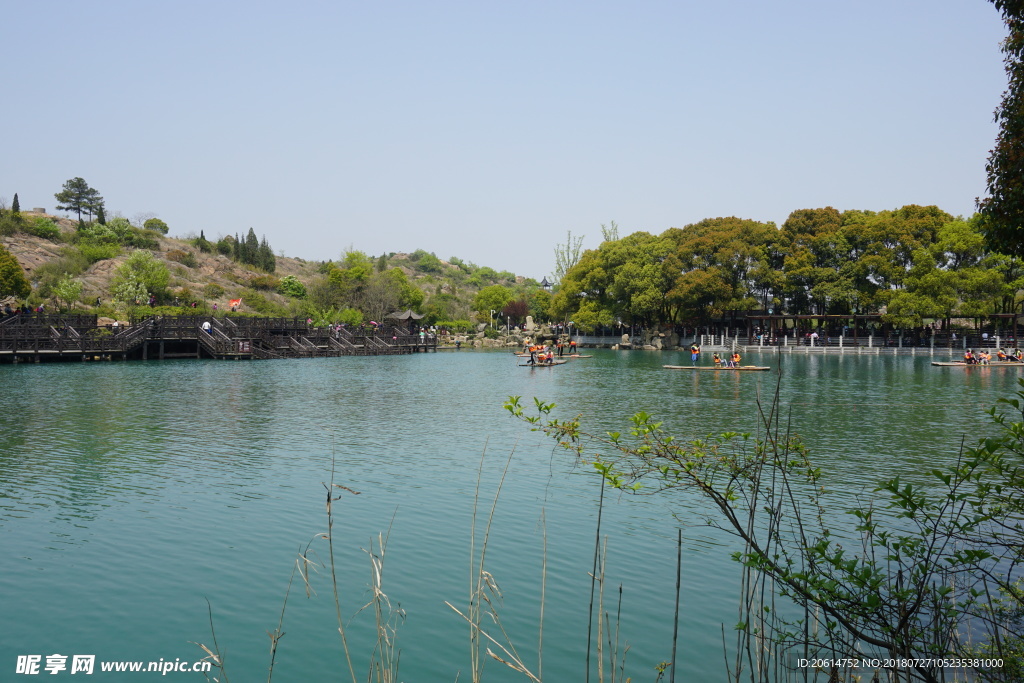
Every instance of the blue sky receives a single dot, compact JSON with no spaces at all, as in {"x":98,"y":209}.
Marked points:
{"x":486,"y":130}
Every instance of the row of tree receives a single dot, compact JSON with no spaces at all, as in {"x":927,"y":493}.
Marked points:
{"x":909,"y":264}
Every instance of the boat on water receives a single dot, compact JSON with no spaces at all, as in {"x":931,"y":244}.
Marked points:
{"x":543,"y":364}
{"x":715,"y":368}
{"x":580,"y":355}
{"x":993,"y":364}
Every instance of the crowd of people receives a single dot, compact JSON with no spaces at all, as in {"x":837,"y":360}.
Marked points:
{"x":541,"y":354}
{"x":25,"y":308}
{"x":982,"y":357}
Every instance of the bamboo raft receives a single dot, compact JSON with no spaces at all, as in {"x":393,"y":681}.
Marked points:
{"x":543,"y":364}
{"x":993,"y":364}
{"x":712,"y":368}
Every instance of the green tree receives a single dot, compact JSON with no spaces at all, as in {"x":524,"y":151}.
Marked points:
{"x":12,"y":276}
{"x":428,"y":263}
{"x":15,"y":205}
{"x":156,"y":225}
{"x":567,"y":255}
{"x":351,"y":276}
{"x":128,"y":291}
{"x":409,"y":295}
{"x":67,"y":291}
{"x":1003,"y":208}
{"x":252,"y":248}
{"x":290,"y":286}
{"x":203,"y":244}
{"x":492,"y":298}
{"x":139,"y":276}
{"x":265,"y":257}
{"x":322,"y":294}
{"x":640,"y":280}
{"x":540,"y":305}
{"x":381,"y":295}
{"x":77,"y":196}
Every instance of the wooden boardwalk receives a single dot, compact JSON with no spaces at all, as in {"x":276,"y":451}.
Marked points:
{"x":40,"y":338}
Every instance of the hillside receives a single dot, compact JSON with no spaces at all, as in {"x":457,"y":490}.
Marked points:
{"x":444,"y":290}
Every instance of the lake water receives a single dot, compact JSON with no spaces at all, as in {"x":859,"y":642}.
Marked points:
{"x":133,"y":494}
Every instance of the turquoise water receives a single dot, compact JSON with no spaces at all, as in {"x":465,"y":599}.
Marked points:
{"x":133,"y":493}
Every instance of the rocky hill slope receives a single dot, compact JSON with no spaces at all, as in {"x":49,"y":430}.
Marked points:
{"x":212,"y":278}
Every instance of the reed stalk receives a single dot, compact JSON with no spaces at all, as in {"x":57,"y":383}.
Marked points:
{"x":484,"y":590}
{"x":593,"y":576}
{"x":331,"y":498}
{"x":675,"y":612}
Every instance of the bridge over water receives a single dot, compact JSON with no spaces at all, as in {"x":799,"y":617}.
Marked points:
{"x":39,"y":338}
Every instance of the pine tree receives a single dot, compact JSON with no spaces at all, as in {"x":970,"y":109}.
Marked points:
{"x":96,"y":205}
{"x":252,"y":248}
{"x":77,"y":196}
{"x":101,"y":217}
{"x":15,"y":206}
{"x":266,"y":260}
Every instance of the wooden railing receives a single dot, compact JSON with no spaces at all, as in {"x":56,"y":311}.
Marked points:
{"x":252,"y":337}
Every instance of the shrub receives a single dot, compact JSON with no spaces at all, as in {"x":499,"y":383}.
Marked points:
{"x":427,"y":263}
{"x":455,"y":325}
{"x":12,"y":276}
{"x":265,"y":282}
{"x":290,"y":286}
{"x":99,"y":251}
{"x":185,"y":258}
{"x":141,"y":239}
{"x":95,"y":233}
{"x":71,"y":261}
{"x":350,"y":316}
{"x":43,"y":227}
{"x":213,"y":291}
{"x":225,"y":246}
{"x":11,"y":223}
{"x":256,"y":301}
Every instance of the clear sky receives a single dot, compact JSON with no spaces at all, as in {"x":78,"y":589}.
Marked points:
{"x":486,"y":130}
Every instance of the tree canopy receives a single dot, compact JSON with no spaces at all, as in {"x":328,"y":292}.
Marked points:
{"x":12,"y":276}
{"x":77,"y":196}
{"x":139,"y":276}
{"x":907,"y":263}
{"x":1003,"y":208}
{"x":157,"y":225}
